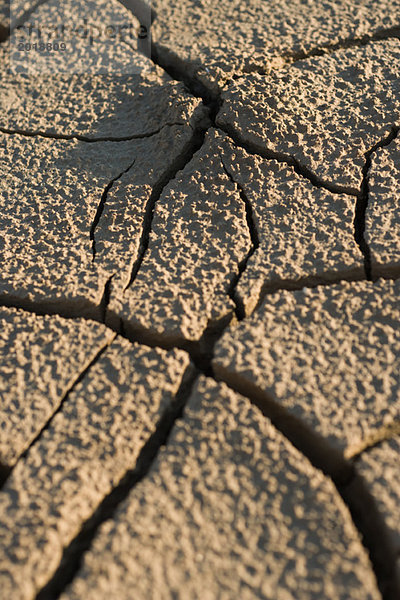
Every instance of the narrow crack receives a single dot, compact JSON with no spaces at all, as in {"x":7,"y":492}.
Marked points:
{"x":325,"y":50}
{"x":363,"y":198}
{"x":73,"y":554}
{"x":306,"y":440}
{"x":101,"y":206}
{"x":287,"y":159}
{"x":83,"y":138}
{"x":178,"y":164}
{"x":308,"y":281}
{"x":178,"y":69}
{"x":255,"y":243}
{"x":6,"y":471}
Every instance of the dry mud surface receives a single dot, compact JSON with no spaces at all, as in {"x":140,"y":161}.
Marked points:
{"x":200,"y":303}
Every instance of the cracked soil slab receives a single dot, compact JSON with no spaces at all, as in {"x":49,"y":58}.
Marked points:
{"x":325,"y":360}
{"x":235,"y":512}
{"x":201,"y":237}
{"x":213,"y":41}
{"x":379,"y":467}
{"x":40,"y":358}
{"x":382,"y":218}
{"x":303,"y":234}
{"x":54,"y":199}
{"x":198,"y":238}
{"x":88,"y":447}
{"x":325,"y":112}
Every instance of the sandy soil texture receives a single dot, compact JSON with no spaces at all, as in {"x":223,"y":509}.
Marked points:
{"x":199,"y":300}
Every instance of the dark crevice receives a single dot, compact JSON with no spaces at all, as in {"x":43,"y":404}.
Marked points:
{"x":177,"y":70}
{"x":287,"y":159}
{"x":178,"y":164}
{"x":6,"y":471}
{"x":4,"y":33}
{"x":365,"y":515}
{"x":322,"y":455}
{"x":200,"y":351}
{"x":70,"y":309}
{"x":255,"y":243}
{"x":83,"y":138}
{"x":101,"y":206}
{"x":74,"y":553}
{"x":362,"y":201}
{"x":106,"y":299}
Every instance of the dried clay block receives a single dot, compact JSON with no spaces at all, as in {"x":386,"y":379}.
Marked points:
{"x":229,"y":510}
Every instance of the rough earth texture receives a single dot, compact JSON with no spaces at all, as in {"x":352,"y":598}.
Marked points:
{"x":214,"y":41}
{"x":380,"y":469}
{"x":325,"y":112}
{"x":204,"y":535}
{"x":41,"y":357}
{"x":329,"y":357}
{"x":72,"y":94}
{"x":382,"y":222}
{"x":301,"y":234}
{"x":211,"y":196}
{"x":60,"y":247}
{"x":80,"y":457}
{"x":198,"y":238}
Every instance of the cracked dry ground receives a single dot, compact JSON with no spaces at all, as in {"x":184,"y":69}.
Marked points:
{"x":200,"y":314}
